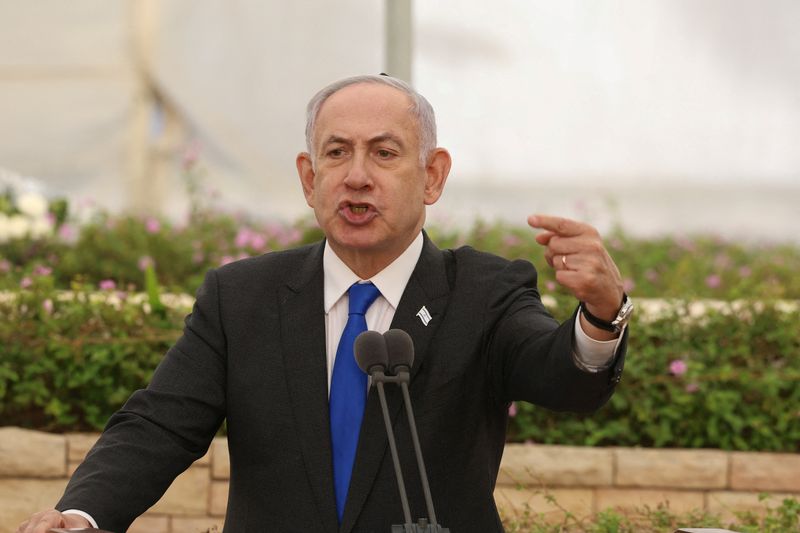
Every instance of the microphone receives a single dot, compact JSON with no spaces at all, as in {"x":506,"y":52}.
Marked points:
{"x":388,"y":358}
{"x":371,"y":356}
{"x":400,"y":348}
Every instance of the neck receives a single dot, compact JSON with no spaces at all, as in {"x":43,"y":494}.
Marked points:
{"x":367,"y":263}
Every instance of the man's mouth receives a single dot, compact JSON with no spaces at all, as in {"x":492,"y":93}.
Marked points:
{"x":359,"y":209}
{"x":357,"y":213}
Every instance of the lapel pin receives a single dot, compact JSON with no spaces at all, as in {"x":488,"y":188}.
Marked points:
{"x":424,"y":315}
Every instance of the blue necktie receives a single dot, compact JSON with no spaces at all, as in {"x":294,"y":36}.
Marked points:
{"x":348,"y":393}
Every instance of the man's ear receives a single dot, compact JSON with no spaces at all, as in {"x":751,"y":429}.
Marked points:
{"x":436,"y":174}
{"x":305,"y":169}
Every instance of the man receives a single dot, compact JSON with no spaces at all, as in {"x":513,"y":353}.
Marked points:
{"x":260,"y":348}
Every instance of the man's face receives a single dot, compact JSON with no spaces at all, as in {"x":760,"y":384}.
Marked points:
{"x":367,"y":187}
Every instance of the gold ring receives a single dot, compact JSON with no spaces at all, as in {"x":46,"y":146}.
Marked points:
{"x":564,"y":260}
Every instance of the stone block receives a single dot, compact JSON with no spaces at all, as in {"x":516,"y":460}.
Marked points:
{"x":515,"y":503}
{"x":220,"y":462}
{"x":630,"y":499}
{"x":20,"y":498}
{"x":679,"y":469}
{"x":219,"y":498}
{"x":148,"y":523}
{"x":765,"y":471}
{"x":188,"y":494}
{"x":181,"y":524}
{"x":79,"y":444}
{"x":553,"y":466}
{"x":727,"y":503}
{"x":27,"y":453}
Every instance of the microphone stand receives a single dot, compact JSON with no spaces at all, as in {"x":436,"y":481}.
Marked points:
{"x":422,"y":525}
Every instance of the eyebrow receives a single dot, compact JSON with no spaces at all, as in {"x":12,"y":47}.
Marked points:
{"x":383,"y":137}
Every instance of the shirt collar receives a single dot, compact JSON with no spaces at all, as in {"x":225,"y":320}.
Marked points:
{"x":391,"y":281}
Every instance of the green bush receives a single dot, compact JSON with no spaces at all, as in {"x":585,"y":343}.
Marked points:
{"x":70,"y":360}
{"x":726,"y":380}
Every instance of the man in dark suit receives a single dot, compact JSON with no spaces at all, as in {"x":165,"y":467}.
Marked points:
{"x":260,"y":347}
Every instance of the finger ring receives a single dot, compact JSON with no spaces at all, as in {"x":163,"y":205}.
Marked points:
{"x":564,"y":260}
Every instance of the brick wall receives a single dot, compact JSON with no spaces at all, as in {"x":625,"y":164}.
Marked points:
{"x":34,"y":468}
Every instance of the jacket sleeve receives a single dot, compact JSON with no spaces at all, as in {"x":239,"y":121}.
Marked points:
{"x":160,"y":430}
{"x":531,"y":355}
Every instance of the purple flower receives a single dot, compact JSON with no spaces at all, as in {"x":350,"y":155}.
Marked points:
{"x":47,"y":306}
{"x":512,"y":409}
{"x":713,"y":281}
{"x":107,"y":285}
{"x":144,"y":262}
{"x":677,"y":367}
{"x":152,"y":225}
{"x":42,"y":270}
{"x":25,"y":282}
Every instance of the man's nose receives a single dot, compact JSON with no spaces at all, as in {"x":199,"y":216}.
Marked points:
{"x":358,"y":175}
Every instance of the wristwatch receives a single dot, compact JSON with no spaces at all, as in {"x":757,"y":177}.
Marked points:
{"x":616,"y":325}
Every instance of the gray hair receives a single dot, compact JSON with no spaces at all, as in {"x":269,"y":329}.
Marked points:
{"x":420,"y":108}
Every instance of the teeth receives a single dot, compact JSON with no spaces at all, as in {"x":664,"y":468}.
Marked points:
{"x":358,"y":209}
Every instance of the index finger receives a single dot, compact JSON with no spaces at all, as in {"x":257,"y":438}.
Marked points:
{"x":558,"y":225}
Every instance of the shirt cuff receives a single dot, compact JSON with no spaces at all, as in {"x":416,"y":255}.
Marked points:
{"x":593,"y":355}
{"x":87,"y":516}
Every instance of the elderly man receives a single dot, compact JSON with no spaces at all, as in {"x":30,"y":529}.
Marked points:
{"x":268,"y":347}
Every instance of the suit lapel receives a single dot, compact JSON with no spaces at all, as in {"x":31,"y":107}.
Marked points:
{"x":427,"y":287}
{"x":303,"y":338}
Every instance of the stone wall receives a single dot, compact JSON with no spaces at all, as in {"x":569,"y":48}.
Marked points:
{"x":34,"y":468}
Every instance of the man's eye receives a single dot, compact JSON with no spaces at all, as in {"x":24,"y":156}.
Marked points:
{"x":336,"y":152}
{"x":384,"y":154}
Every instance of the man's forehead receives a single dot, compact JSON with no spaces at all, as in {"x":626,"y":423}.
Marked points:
{"x":368,"y":109}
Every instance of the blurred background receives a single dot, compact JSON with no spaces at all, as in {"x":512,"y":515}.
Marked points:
{"x":659,"y":116}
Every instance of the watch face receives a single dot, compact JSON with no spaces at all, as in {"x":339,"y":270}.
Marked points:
{"x":624,"y":314}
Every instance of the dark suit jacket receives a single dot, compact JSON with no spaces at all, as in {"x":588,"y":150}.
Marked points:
{"x":253,"y":351}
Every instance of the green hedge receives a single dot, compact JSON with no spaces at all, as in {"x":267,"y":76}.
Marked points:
{"x":724,"y":381}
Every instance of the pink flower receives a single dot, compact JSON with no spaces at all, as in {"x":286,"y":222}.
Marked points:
{"x":47,"y":306}
{"x":512,"y":240}
{"x":616,"y":244}
{"x":651,"y":275}
{"x":745,"y":272}
{"x":107,"y":285}
{"x":258,"y":242}
{"x":152,"y":225}
{"x":67,"y":233}
{"x":226,"y":259}
{"x":5,"y":266}
{"x":628,"y":285}
{"x":691,"y":388}
{"x":713,"y":281}
{"x":198,"y":257}
{"x":512,"y":409}
{"x":551,"y":285}
{"x":243,"y":237}
{"x":677,"y":367}
{"x":25,"y":282}
{"x":144,"y":262}
{"x":41,"y":270}
{"x":190,"y":155}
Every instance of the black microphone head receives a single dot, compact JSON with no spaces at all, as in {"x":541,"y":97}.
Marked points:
{"x":400,"y":348}
{"x":370,"y":351}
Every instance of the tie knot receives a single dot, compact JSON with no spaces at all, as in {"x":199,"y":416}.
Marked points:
{"x":361,"y":297}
